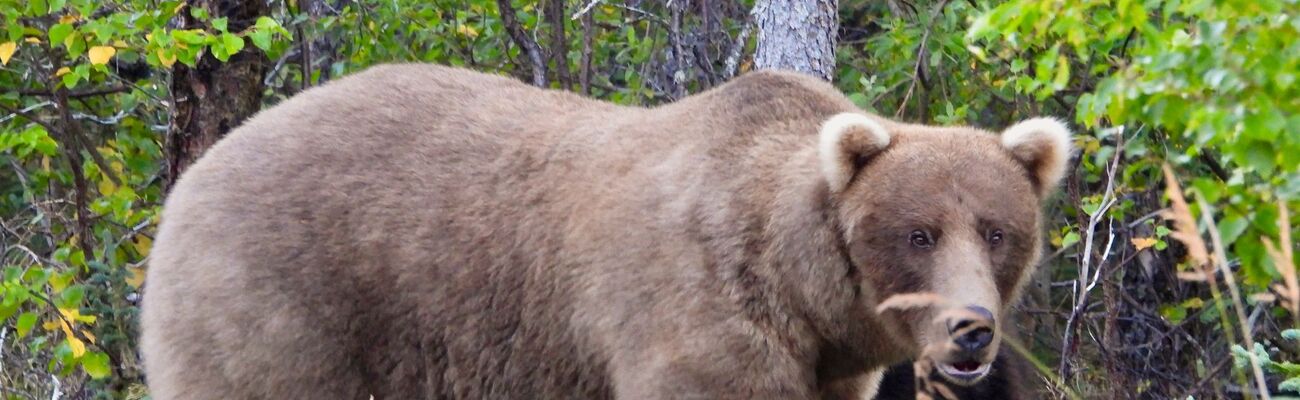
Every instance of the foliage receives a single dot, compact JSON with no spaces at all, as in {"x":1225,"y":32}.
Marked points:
{"x":1289,"y":370}
{"x":1207,"y":86}
{"x":81,"y":135}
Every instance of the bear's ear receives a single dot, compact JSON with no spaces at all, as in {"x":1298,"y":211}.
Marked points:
{"x":848,"y":139}
{"x":1043,"y":146}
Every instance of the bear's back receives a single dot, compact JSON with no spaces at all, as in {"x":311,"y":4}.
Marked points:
{"x":415,"y":231}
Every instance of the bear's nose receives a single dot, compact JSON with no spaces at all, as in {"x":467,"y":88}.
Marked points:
{"x":974,"y":332}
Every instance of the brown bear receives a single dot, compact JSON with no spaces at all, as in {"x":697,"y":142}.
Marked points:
{"x":418,"y":231}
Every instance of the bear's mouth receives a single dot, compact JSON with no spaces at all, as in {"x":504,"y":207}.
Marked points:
{"x":964,"y":372}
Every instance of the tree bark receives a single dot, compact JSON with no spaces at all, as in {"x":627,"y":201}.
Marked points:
{"x":556,"y":17}
{"x":213,"y":97}
{"x":797,"y":35}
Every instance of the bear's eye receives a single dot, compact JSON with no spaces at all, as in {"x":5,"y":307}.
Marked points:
{"x":921,"y":239}
{"x":995,"y":237}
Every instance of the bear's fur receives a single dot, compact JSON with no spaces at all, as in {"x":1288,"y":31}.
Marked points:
{"x":418,"y":231}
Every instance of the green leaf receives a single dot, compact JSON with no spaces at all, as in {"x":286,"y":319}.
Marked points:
{"x":190,"y":36}
{"x":1231,"y":228}
{"x":96,"y":364}
{"x":1174,"y":313}
{"x":1163,"y":231}
{"x":266,"y":23}
{"x":71,"y":297}
{"x":25,"y":323}
{"x":199,"y":13}
{"x":233,"y":43}
{"x":261,"y":39}
{"x":220,"y":24}
{"x":219,"y":51}
{"x":71,"y":80}
{"x":76,"y":44}
{"x":1260,"y":156}
{"x":36,"y":8}
{"x":1070,"y":239}
{"x":59,"y":32}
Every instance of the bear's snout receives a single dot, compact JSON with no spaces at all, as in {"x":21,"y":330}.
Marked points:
{"x":973,"y":331}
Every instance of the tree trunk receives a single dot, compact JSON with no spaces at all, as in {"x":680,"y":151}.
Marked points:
{"x":556,"y":17}
{"x":797,"y":35}
{"x":213,"y":97}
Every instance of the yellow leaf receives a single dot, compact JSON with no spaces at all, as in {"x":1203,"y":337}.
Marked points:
{"x":62,"y":71}
{"x":1143,"y":243}
{"x":142,"y":245}
{"x":70,"y":313}
{"x":7,"y":50}
{"x":52,"y":324}
{"x":70,"y":18}
{"x":107,"y":187}
{"x":89,"y":336}
{"x":137,"y":277}
{"x":75,"y":315}
{"x":468,"y":31}
{"x":167,"y":58}
{"x":100,"y":55}
{"x":78,"y":347}
{"x":1091,"y":146}
{"x":119,"y":43}
{"x":32,"y":40}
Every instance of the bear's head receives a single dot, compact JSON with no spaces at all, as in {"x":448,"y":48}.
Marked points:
{"x":942,"y":225}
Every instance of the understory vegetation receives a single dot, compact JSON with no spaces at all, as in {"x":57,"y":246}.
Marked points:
{"x":1171,"y":267}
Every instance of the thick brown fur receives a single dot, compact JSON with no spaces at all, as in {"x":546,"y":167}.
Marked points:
{"x":418,"y":231}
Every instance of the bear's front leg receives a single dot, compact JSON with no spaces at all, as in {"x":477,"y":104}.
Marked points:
{"x":710,"y":366}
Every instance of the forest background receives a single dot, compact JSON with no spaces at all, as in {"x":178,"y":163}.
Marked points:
{"x":1171,"y":271}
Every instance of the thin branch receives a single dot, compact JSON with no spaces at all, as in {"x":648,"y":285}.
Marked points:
{"x":583,"y":12}
{"x":642,"y":13}
{"x":526,"y":44}
{"x":77,"y":94}
{"x":588,"y":31}
{"x":78,"y":176}
{"x":919,"y":73}
{"x":26,"y":113}
{"x":678,"y":76}
{"x":1085,"y":285}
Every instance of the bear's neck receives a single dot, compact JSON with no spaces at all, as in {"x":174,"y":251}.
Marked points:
{"x":793,"y":266}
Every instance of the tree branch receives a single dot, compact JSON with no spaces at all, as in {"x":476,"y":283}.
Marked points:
{"x":526,"y":44}
{"x":77,"y":94}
